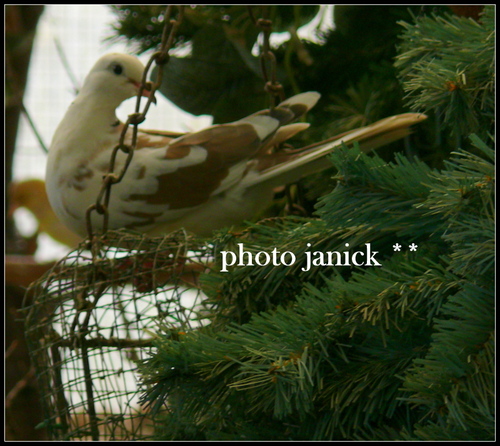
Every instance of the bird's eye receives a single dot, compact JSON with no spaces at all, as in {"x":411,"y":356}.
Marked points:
{"x":117,"y":69}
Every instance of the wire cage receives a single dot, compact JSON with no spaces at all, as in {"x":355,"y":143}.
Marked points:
{"x":94,"y":317}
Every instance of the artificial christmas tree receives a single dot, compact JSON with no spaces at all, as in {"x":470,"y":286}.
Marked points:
{"x":401,"y":351}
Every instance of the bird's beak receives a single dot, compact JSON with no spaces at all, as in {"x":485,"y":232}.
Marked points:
{"x":146,"y":91}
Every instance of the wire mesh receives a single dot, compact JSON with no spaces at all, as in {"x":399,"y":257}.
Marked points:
{"x":92,"y":318}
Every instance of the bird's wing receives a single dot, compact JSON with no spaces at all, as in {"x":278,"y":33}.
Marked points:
{"x":199,"y":165}
{"x":187,"y":171}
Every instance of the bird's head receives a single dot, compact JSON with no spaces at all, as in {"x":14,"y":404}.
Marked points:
{"x":116,"y":77}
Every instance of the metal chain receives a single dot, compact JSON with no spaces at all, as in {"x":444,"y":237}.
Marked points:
{"x":276,"y":91}
{"x":161,"y":58}
{"x":268,"y":60}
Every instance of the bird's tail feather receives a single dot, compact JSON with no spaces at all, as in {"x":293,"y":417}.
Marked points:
{"x":278,"y":168}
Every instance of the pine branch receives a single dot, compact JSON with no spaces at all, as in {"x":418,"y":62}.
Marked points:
{"x":447,"y":65}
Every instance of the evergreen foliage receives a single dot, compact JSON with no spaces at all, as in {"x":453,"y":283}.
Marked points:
{"x":404,"y":351}
{"x":448,"y":65}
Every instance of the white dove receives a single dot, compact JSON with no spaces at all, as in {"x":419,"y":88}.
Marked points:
{"x":213,"y":178}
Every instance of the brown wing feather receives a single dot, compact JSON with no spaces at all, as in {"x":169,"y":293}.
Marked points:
{"x":226,"y":145}
{"x":189,"y":186}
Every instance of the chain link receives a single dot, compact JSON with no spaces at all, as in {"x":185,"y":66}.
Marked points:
{"x":268,"y":60}
{"x":161,"y":58}
{"x":277,"y":94}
